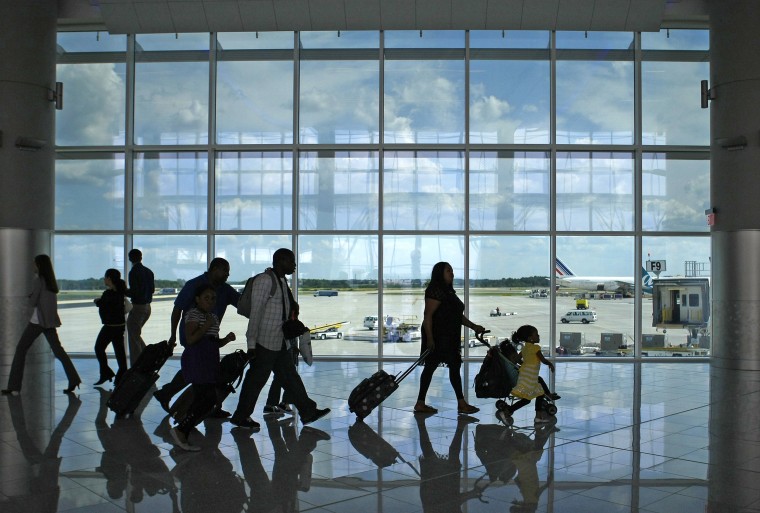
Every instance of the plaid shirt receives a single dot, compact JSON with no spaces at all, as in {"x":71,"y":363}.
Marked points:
{"x":265,"y":322}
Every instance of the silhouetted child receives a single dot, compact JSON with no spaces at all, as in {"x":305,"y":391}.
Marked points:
{"x":528,"y":386}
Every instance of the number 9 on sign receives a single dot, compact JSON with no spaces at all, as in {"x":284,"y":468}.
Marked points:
{"x":656,"y":266}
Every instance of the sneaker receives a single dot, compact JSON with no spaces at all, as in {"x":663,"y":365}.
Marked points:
{"x":248,"y":423}
{"x":273,"y":410}
{"x":318,"y":414}
{"x":555,"y":396}
{"x":163,"y":402}
{"x":180,"y":440}
{"x":285,"y":407}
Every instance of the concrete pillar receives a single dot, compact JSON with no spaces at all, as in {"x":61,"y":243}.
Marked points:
{"x":735,"y":182}
{"x":27,"y":71}
{"x":27,"y":119}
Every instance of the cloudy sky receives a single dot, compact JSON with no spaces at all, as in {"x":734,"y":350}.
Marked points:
{"x":422,"y":101}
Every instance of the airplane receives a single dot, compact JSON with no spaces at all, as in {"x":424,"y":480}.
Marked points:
{"x":565,"y":277}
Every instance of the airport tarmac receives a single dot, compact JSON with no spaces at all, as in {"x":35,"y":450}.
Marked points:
{"x":81,"y":322}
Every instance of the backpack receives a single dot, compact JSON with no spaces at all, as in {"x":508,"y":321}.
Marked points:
{"x":231,"y":368}
{"x":244,"y":303}
{"x":492,"y":380}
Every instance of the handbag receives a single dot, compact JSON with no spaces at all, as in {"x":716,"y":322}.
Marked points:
{"x":293,"y":328}
{"x":304,"y":347}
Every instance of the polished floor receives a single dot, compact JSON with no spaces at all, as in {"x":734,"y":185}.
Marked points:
{"x":610,"y":450}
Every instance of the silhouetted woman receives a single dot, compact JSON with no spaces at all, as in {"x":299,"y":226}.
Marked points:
{"x":44,"y":321}
{"x":442,"y":334}
{"x":111,"y":309}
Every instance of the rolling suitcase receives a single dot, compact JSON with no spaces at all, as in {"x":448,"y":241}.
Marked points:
{"x":375,"y":389}
{"x":136,"y":382}
{"x":231,"y":369}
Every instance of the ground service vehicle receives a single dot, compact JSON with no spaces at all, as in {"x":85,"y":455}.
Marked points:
{"x":581,"y":304}
{"x":584,"y":316}
{"x":370,"y":322}
{"x":328,"y":333}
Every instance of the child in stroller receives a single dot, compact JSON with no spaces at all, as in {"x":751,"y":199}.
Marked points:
{"x":499,"y":384}
{"x":529,"y":386}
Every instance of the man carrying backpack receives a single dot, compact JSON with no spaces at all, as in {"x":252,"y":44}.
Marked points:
{"x":270,"y":345}
{"x":218,"y":272}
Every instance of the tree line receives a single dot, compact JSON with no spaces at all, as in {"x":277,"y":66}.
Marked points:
{"x":529,"y":282}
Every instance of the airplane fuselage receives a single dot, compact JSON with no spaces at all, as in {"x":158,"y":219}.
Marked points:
{"x":597,"y":283}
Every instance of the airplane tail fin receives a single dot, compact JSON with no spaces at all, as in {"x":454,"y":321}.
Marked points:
{"x":646,"y":280}
{"x":561,"y":270}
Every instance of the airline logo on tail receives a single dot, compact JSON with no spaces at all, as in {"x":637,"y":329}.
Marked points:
{"x":561,"y":269}
{"x":646,"y":281}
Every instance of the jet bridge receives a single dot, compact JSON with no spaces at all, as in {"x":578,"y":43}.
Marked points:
{"x":680,"y":301}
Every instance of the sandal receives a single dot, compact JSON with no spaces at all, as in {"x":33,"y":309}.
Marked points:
{"x":425,"y":409}
{"x":467,"y":410}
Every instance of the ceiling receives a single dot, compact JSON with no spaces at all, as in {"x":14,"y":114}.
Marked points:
{"x":175,"y":16}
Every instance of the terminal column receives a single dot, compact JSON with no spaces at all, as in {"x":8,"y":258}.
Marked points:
{"x":27,"y":181}
{"x":735,"y":182}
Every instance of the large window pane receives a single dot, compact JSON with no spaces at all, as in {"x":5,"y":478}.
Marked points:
{"x":338,"y":191}
{"x":509,"y":191}
{"x":670,"y":113}
{"x":424,"y":101}
{"x":171,"y":103}
{"x":248,"y":255}
{"x":676,"y":39}
{"x":80,"y":263}
{"x":339,"y":39}
{"x":407,"y":263}
{"x":89,"y":192}
{"x":254,"y":191}
{"x":676,"y":311}
{"x":255,"y":40}
{"x":504,"y":273}
{"x":594,"y":102}
{"x":538,"y":39}
{"x":423,"y":190}
{"x":254,"y":102}
{"x":95,"y":105}
{"x":675,"y":192}
{"x":170,"y":191}
{"x":424,"y":39}
{"x":509,"y":102}
{"x":577,"y":40}
{"x":594,"y":191}
{"x":600,"y":270}
{"x":339,"y":102}
{"x":174,"y":259}
{"x":87,"y":42}
{"x":158,"y":42}
{"x":346,"y":265}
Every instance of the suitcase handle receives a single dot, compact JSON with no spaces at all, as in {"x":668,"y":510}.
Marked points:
{"x":399,"y":377}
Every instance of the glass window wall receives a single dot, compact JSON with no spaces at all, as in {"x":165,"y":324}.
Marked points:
{"x":513,"y":155}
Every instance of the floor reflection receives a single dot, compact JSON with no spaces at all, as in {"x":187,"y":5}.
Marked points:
{"x":39,"y":489}
{"x":609,"y":451}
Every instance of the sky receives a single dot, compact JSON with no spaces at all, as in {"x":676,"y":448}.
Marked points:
{"x":423,"y":102}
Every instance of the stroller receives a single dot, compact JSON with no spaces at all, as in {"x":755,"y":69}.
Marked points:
{"x":498,"y":375}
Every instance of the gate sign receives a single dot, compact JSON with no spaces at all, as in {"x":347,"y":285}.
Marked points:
{"x":656,"y":266}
